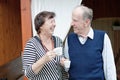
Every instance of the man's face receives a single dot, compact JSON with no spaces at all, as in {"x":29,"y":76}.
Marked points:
{"x":78,"y":23}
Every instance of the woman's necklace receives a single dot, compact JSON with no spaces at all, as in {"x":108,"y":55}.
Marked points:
{"x":47,"y":45}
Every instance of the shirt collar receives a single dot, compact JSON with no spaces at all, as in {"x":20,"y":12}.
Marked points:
{"x":91,"y":33}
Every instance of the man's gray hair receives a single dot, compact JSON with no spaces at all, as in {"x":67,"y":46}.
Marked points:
{"x":87,"y":12}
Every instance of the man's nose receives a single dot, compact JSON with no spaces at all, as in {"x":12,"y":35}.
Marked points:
{"x":72,"y":23}
{"x":54,"y":24}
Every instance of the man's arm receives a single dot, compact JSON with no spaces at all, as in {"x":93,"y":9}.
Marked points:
{"x":66,"y":55}
{"x":108,"y":60}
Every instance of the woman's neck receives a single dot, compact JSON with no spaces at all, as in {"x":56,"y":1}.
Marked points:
{"x":45,"y":38}
{"x":47,"y":41}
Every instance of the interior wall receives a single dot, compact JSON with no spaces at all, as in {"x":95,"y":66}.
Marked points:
{"x":10,"y":30}
{"x":104,"y":8}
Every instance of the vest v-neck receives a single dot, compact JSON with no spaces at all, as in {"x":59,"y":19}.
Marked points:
{"x":79,"y":42}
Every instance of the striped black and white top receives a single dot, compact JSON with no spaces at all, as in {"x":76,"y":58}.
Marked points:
{"x":33,"y":52}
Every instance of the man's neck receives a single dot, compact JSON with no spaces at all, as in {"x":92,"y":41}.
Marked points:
{"x":85,"y":32}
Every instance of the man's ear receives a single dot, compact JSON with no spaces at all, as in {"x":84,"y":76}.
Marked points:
{"x":87,"y":22}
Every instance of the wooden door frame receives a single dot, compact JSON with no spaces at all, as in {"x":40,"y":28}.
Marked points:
{"x":26,"y":23}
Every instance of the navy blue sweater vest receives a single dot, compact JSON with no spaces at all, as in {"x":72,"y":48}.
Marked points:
{"x":86,"y":59}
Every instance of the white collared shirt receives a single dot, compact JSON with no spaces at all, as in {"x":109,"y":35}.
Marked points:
{"x":107,"y":54}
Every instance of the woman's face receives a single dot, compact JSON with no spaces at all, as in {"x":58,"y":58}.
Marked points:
{"x":48,"y":26}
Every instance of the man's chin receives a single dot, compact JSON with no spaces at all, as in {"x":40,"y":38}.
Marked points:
{"x":51,"y":32}
{"x":75,"y":31}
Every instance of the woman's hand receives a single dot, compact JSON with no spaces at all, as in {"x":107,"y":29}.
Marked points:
{"x":38,"y":65}
{"x":49,"y":56}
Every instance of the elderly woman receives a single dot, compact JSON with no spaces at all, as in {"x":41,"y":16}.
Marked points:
{"x":40,"y":62}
